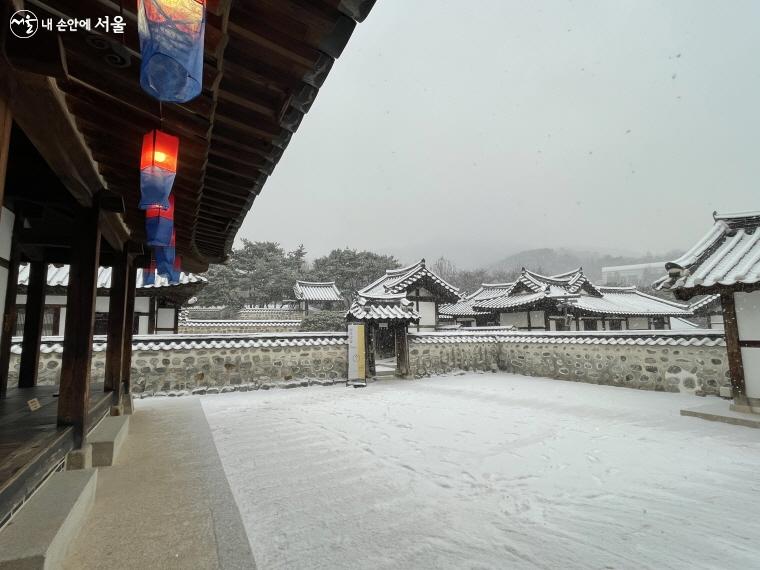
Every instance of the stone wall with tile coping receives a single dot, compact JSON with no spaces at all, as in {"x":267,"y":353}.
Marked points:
{"x":654,"y":360}
{"x":175,"y":364}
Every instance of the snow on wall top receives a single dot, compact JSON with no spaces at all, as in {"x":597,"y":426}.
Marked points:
{"x":699,"y":337}
{"x":197,"y":341}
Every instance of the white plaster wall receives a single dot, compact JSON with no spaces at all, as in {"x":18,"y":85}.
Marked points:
{"x":165,"y":318}
{"x":751,"y":364}
{"x":142,"y":305}
{"x":142,"y":324}
{"x":748,"y":315}
{"x":62,"y":323}
{"x":6,"y":233}
{"x":537,"y":320}
{"x":519,"y":320}
{"x":427,"y":314}
{"x":638,"y":323}
{"x":3,"y":288}
{"x":716,"y":322}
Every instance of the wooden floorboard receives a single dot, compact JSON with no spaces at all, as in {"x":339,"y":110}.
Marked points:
{"x":31,"y":444}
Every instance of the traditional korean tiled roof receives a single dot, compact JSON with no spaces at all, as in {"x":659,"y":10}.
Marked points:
{"x":728,"y":254}
{"x":58,"y":276}
{"x":199,"y":341}
{"x":397,"y":281}
{"x":697,"y":337}
{"x":574,"y":290}
{"x":317,"y":291}
{"x":388,"y":308}
{"x":705,"y":303}
{"x":464,"y":308}
{"x":629,"y":301}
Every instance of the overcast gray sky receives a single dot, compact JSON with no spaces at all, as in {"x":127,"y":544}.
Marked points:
{"x":475,"y":129}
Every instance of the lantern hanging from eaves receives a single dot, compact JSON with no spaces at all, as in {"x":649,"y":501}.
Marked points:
{"x":159,"y":224}
{"x":158,"y":168}
{"x":171,"y":46}
{"x":165,"y":257}
{"x":149,"y":274}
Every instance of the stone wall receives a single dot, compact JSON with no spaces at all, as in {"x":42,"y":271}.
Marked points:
{"x":177,"y":364}
{"x":670,"y":361}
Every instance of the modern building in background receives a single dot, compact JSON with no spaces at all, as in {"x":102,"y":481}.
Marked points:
{"x":636,"y":274}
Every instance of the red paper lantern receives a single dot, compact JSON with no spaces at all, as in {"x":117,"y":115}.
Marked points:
{"x":158,"y":168}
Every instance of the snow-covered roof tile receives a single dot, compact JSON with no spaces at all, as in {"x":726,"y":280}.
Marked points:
{"x":728,"y":254}
{"x":317,"y":291}
{"x":58,"y":276}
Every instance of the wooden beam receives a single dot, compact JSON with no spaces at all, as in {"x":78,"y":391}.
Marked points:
{"x":34,"y":315}
{"x":117,"y":304}
{"x":80,"y":320}
{"x":9,"y":311}
{"x":129,"y":318}
{"x":733,"y":347}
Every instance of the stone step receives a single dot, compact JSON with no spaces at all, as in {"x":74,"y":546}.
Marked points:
{"x":38,"y":536}
{"x":107,"y":438}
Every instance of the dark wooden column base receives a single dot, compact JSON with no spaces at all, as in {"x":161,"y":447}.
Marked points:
{"x":74,"y":393}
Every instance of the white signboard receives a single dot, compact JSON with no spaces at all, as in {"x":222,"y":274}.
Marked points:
{"x":356,"y":353}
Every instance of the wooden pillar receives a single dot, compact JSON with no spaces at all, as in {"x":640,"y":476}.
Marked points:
{"x":733,"y":348}
{"x":34,"y":316}
{"x":152,"y":315}
{"x":5,"y":138}
{"x":129,"y":319}
{"x":9,"y":311}
{"x":402,"y":350}
{"x":74,"y":392}
{"x":117,"y":304}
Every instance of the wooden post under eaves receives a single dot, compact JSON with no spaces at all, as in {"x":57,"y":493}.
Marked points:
{"x":129,"y":319}
{"x":9,"y":311}
{"x":152,"y":302}
{"x":74,"y":391}
{"x":733,"y":348}
{"x":6,"y":120}
{"x":117,"y":304}
{"x":34,"y":316}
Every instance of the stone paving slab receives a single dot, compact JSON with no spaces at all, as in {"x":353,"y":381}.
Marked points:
{"x":721,"y":412}
{"x":165,"y":503}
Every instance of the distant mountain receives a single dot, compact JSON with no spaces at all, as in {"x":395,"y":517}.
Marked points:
{"x":550,"y":261}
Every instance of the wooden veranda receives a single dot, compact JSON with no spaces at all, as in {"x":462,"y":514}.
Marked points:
{"x":72,"y":118}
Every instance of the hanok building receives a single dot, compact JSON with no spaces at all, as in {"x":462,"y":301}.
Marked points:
{"x":726,"y":262}
{"x":73,"y":117}
{"x":568,"y":301}
{"x":387,"y":318}
{"x":320,"y":296}
{"x":418,"y":284}
{"x":157,"y":305}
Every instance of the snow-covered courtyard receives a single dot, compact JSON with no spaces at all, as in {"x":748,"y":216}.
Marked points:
{"x":487,"y":471}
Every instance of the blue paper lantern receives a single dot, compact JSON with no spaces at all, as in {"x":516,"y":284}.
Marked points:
{"x":159,"y":224}
{"x":171,"y":45}
{"x":149,"y":275}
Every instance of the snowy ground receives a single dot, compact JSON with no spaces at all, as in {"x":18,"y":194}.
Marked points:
{"x":487,"y":471}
